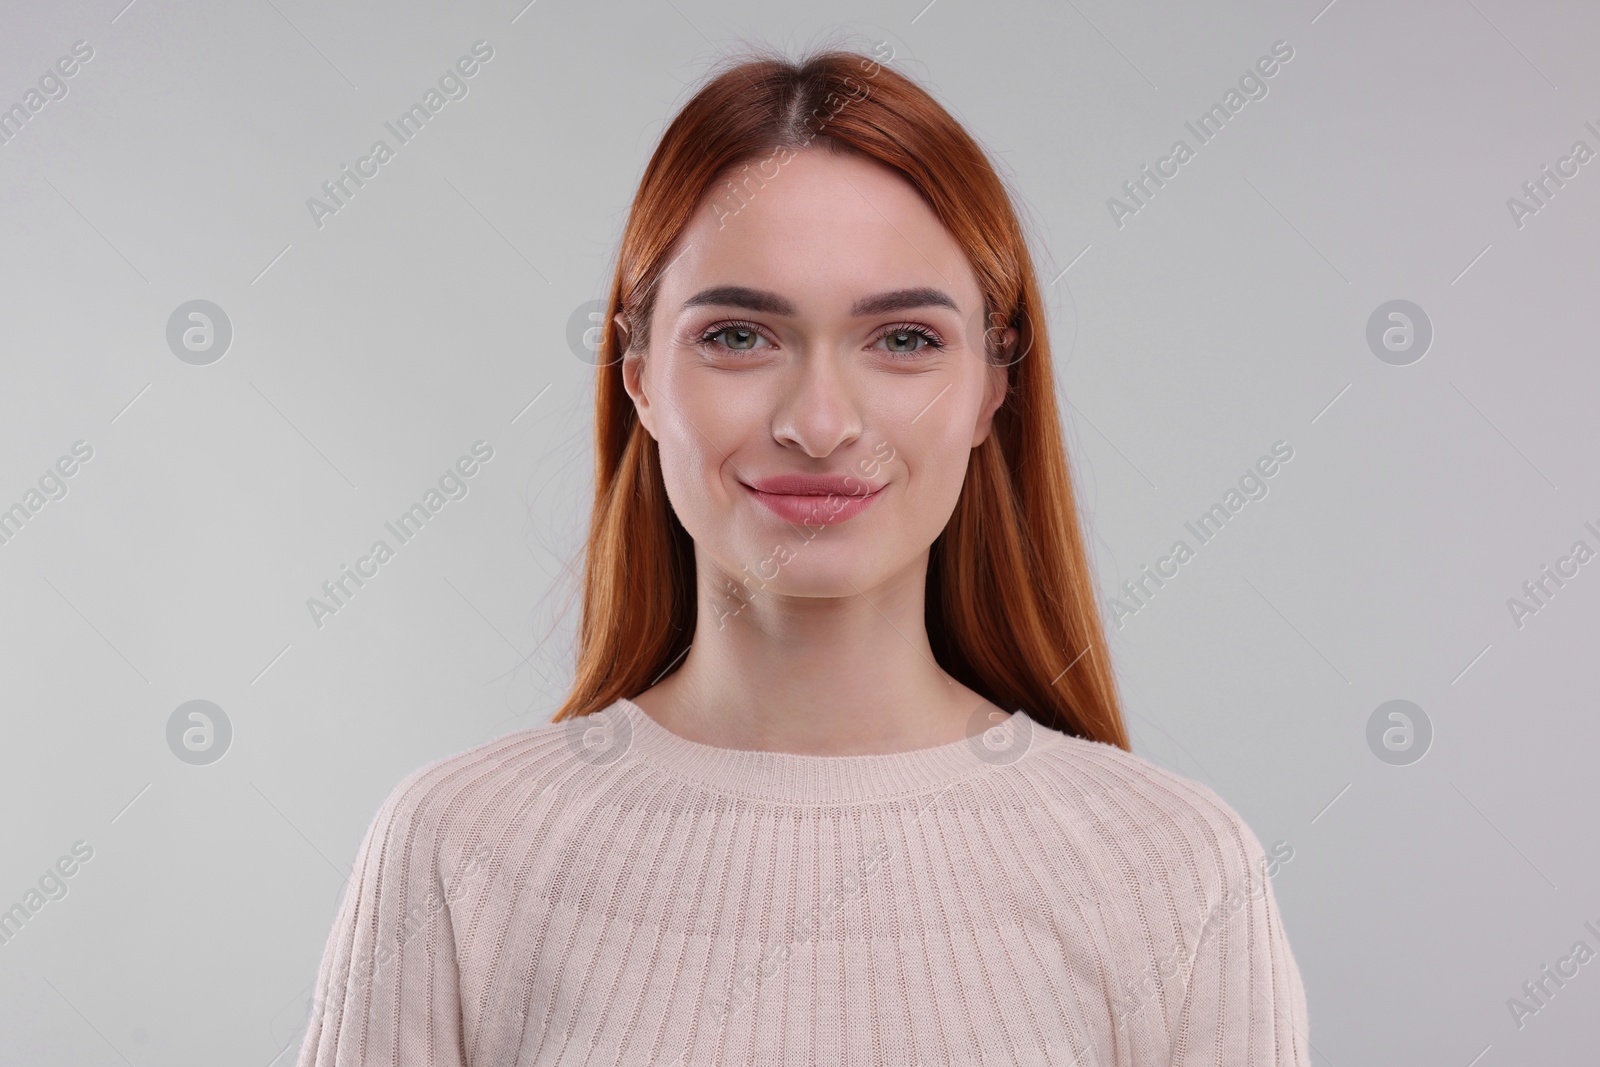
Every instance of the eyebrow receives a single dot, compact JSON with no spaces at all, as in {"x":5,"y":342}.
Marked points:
{"x":769,"y":303}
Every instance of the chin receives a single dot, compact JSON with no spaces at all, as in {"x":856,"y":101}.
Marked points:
{"x":827,"y":566}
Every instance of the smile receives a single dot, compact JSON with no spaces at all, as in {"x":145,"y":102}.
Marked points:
{"x":815,"y":509}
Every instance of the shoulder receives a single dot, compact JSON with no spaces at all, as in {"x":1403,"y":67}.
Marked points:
{"x":1162,"y":824}
{"x":468,"y":805}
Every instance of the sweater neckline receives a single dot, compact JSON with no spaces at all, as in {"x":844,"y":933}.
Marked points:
{"x":817,"y":779}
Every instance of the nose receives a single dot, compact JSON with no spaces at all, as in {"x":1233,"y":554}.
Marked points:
{"x":818,"y":409}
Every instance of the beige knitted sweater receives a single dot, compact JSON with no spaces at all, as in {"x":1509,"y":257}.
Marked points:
{"x":604,"y":891}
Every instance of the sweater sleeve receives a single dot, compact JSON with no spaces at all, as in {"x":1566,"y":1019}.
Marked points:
{"x":388,"y":991}
{"x":1244,"y":1003}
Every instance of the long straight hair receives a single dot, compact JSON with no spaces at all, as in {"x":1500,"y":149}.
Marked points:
{"x":1011,"y":601}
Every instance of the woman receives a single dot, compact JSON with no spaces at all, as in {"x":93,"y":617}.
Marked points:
{"x":784,"y":816}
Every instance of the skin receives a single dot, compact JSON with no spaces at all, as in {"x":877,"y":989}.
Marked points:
{"x":810,"y":639}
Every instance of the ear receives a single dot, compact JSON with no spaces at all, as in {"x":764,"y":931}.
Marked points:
{"x":633,"y":377}
{"x":997,"y":382}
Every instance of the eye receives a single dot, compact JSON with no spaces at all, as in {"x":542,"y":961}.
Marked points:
{"x":737,"y":336}
{"x":903,"y":339}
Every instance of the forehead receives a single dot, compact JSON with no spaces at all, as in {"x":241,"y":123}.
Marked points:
{"x":822,"y":229}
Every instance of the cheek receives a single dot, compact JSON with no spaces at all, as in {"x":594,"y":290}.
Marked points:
{"x":698,"y":434}
{"x":932,"y":459}
{"x":687,"y":464}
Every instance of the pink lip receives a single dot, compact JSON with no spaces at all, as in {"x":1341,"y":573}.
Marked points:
{"x":815,"y":500}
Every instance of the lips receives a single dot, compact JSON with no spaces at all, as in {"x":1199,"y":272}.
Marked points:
{"x":814,"y":499}
{"x":814,"y":485}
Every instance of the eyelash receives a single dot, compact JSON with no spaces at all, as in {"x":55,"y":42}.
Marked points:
{"x":932,"y":338}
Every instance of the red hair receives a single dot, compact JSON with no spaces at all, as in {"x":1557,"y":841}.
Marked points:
{"x":1011,"y":602}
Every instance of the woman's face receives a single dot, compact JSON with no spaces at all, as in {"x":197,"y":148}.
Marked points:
{"x":829,"y":328}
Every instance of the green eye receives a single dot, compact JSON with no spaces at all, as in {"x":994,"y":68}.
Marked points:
{"x":904,"y":340}
{"x":733,"y":336}
{"x":742,"y":339}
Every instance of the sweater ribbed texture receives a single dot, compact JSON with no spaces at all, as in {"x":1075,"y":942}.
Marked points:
{"x":604,"y":891}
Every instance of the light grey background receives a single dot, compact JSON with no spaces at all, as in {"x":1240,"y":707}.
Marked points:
{"x":432,"y":311}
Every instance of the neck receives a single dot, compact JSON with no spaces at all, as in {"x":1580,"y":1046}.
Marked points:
{"x":850,"y":675}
